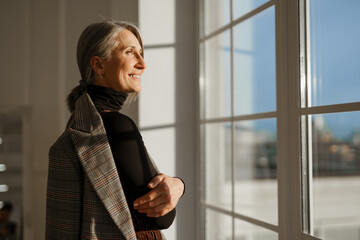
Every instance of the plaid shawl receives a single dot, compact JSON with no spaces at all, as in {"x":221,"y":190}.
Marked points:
{"x":85,"y":199}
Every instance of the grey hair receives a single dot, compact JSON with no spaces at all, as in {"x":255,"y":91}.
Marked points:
{"x":98,"y":39}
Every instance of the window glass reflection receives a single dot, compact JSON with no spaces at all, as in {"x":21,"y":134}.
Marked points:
{"x":241,"y":7}
{"x":336,"y":175}
{"x":218,"y":164}
{"x":156,"y":141}
{"x":216,"y":14}
{"x":247,"y":231}
{"x":254,"y":64}
{"x":217,"y":76}
{"x":255,"y":169}
{"x":218,"y":226}
{"x":164,"y":32}
{"x":155,"y":79}
{"x":334,"y":51}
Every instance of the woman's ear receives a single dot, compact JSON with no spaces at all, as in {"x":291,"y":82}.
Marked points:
{"x":97,"y":65}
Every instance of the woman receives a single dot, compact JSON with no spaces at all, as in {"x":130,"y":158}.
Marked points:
{"x":102,"y":183}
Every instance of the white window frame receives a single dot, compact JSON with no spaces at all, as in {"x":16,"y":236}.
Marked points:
{"x":203,"y":204}
{"x":293,"y":156}
{"x":305,"y":112}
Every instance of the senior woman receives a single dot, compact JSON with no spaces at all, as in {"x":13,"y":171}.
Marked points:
{"x":102,"y":184}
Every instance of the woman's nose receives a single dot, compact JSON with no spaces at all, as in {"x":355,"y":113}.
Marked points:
{"x":141,"y":63}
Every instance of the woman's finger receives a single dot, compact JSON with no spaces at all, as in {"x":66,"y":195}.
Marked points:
{"x":156,"y":180}
{"x":157,"y":211}
{"x":150,"y":196}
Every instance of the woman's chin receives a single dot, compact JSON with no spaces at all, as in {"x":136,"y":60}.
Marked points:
{"x":136,"y":89}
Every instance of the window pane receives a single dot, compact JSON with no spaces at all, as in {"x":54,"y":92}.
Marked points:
{"x":164,"y":32}
{"x":334,"y":51}
{"x":218,"y":226}
{"x":217,"y":170}
{"x":336,"y":175}
{"x":247,"y":231}
{"x":217,"y":14}
{"x":255,"y":169}
{"x":156,"y":140}
{"x":217,"y":76}
{"x":241,"y":7}
{"x":152,"y":84}
{"x":254,"y":64}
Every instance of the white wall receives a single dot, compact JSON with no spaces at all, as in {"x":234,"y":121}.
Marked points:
{"x":38,"y":66}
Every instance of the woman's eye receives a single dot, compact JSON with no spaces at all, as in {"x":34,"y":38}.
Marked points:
{"x":131,"y":51}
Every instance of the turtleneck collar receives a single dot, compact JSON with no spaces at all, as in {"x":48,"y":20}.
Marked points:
{"x":106,"y":98}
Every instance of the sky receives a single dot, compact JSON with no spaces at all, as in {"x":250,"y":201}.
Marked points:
{"x":334,"y":61}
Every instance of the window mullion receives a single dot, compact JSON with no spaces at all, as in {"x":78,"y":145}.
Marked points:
{"x":232,"y":120}
{"x":294,"y":160}
{"x":201,"y":113}
{"x":288,"y":79}
{"x":306,"y":138}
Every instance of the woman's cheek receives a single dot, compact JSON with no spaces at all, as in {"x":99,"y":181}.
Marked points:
{"x":123,"y":81}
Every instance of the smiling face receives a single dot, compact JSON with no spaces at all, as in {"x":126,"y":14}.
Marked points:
{"x":122,"y":70}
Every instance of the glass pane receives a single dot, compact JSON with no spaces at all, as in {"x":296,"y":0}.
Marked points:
{"x":164,"y":32}
{"x":254,"y":64}
{"x":334,"y":51}
{"x":156,"y":140}
{"x":217,"y":76}
{"x":216,"y":14}
{"x":241,"y":7}
{"x":217,"y":167}
{"x":255,"y":169}
{"x":218,"y":226}
{"x":164,"y":113}
{"x":336,"y":175}
{"x":247,"y":231}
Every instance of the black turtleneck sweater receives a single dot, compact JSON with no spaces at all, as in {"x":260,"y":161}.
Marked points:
{"x":132,"y":161}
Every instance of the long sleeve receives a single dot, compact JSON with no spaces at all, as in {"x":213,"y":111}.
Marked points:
{"x":134,"y":166}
